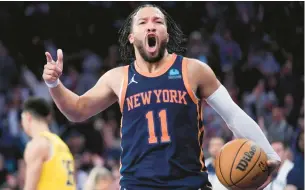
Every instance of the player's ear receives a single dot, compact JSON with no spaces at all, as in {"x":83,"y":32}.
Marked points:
{"x":49,"y":118}
{"x":26,"y":117}
{"x":29,"y":117}
{"x":131,"y":38}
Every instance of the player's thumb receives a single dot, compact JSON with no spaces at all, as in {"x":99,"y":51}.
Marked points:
{"x":49,"y":57}
{"x":60,"y":58}
{"x":273,"y":166}
{"x":272,"y":163}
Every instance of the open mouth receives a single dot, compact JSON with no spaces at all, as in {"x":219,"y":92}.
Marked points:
{"x":152,"y":41}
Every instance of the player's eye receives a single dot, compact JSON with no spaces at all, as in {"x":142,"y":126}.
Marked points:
{"x":141,"y":23}
{"x":159,"y":22}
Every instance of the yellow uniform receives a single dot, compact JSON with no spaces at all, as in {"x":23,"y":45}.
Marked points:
{"x":58,"y":172}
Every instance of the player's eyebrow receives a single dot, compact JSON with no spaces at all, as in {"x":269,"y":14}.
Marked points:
{"x":141,"y":19}
{"x":154,"y":18}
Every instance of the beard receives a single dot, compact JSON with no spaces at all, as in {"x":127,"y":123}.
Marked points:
{"x":146,"y":56}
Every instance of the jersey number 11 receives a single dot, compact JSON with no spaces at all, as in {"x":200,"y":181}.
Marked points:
{"x":151,"y":127}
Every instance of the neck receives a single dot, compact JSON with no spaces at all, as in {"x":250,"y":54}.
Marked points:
{"x":151,"y":67}
{"x":38,"y":127}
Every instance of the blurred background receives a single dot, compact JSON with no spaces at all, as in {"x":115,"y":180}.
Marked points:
{"x":256,"y":49}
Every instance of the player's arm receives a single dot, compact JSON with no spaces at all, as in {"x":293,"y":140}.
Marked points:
{"x":79,"y":108}
{"x":216,"y":95}
{"x":36,"y":153}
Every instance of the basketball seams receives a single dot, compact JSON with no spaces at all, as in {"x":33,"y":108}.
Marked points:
{"x":242,"y":178}
{"x":220,"y":169}
{"x":260,"y":153}
{"x":234,"y":161}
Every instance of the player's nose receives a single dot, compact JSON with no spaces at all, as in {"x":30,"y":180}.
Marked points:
{"x":151,"y":27}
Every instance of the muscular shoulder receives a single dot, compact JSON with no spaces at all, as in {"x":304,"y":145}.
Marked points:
{"x":116,"y":72}
{"x":114,"y":78}
{"x":201,"y":76}
{"x":37,"y":148}
{"x":198,"y":68}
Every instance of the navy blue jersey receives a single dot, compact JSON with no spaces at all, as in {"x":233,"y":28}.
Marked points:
{"x":161,"y":130}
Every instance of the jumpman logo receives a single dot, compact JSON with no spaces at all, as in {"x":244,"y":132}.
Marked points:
{"x":132,"y":80}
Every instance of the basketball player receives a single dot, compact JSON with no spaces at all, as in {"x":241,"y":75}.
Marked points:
{"x":161,"y":125}
{"x":49,"y":163}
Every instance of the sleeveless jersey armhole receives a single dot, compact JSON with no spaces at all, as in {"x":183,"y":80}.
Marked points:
{"x":120,"y":93}
{"x":186,"y":81}
{"x":51,"y":147}
{"x":51,"y":151}
{"x":123,"y":88}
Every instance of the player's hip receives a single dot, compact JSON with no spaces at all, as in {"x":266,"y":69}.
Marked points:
{"x":205,"y":187}
{"x":186,"y":183}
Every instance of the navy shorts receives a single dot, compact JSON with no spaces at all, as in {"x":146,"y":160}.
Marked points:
{"x":206,"y":187}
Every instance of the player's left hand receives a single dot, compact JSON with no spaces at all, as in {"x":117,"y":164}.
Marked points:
{"x":273,"y":166}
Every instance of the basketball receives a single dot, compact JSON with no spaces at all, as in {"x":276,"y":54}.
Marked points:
{"x":241,"y":164}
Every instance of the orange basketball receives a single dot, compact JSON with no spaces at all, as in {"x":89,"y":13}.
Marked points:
{"x":241,"y":164}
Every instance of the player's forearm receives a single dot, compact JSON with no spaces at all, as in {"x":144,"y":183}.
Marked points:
{"x":238,"y":121}
{"x":67,"y":102}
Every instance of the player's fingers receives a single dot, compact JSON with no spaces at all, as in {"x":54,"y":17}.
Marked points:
{"x":53,"y":68}
{"x":51,"y":72}
{"x":50,"y":66}
{"x":273,"y":163}
{"x":60,"y":58}
{"x":49,"y":78}
{"x":49,"y":57}
{"x":272,"y":167}
{"x":58,"y":70}
{"x":269,"y":179}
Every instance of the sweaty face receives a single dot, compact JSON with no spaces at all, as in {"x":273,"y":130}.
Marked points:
{"x":149,"y":34}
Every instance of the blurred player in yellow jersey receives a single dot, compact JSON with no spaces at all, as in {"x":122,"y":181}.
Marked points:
{"x":49,"y":163}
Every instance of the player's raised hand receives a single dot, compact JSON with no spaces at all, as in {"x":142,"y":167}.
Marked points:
{"x":273,"y":166}
{"x":53,"y":70}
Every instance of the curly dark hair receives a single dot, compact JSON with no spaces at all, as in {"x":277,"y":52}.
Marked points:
{"x":176,"y":36}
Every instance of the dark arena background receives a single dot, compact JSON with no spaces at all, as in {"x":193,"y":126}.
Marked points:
{"x":256,"y":50}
